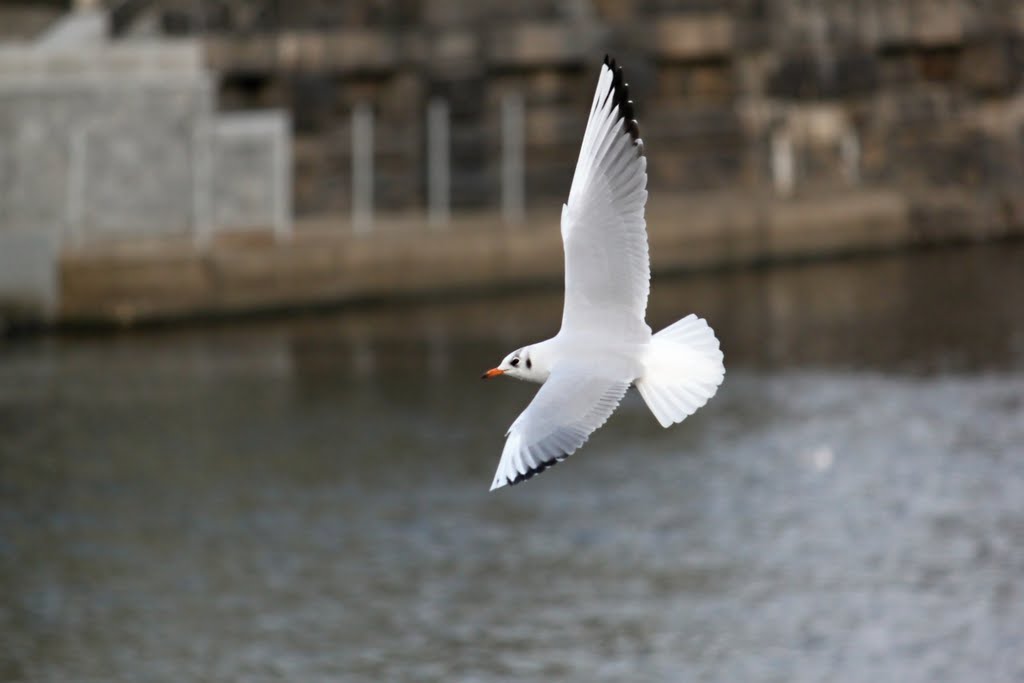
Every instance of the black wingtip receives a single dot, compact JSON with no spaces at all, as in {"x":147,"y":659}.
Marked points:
{"x":534,"y":471}
{"x":620,"y":99}
{"x":627,"y":109}
{"x":634,"y":129}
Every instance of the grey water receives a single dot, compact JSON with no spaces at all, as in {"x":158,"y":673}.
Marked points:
{"x":307,"y":499}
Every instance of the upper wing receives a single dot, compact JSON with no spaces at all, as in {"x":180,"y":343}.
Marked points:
{"x":607,"y":271}
{"x":570,"y":405}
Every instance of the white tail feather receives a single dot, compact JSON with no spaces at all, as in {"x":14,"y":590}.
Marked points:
{"x":682,"y":369}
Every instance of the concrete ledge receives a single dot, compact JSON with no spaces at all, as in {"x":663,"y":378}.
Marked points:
{"x":162,"y":59}
{"x":325,"y":263}
{"x":345,"y":50}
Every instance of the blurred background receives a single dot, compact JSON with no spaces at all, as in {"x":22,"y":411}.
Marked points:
{"x":254,"y":255}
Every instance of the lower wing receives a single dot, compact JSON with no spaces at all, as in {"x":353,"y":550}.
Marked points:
{"x":569,"y":407}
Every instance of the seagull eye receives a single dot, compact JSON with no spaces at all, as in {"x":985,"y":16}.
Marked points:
{"x":529,"y":363}
{"x":515,"y":362}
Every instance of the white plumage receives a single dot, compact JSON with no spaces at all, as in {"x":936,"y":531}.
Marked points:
{"x":604,"y":344}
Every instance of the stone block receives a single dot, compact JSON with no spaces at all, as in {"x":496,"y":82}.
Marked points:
{"x":453,"y":50}
{"x":362,"y":50}
{"x":992,"y":66}
{"x":302,"y":51}
{"x":80,"y":28}
{"x":693,"y":36}
{"x":100,"y":155}
{"x":28,"y":275}
{"x":921,"y":24}
{"x":807,"y":75}
{"x":702,"y":81}
{"x":251,"y":178}
{"x":537,"y":44}
{"x":253,"y":54}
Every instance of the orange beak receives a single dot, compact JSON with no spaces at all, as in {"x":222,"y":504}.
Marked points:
{"x":493,"y":372}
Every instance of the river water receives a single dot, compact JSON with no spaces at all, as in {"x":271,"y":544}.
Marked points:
{"x":306,"y":500}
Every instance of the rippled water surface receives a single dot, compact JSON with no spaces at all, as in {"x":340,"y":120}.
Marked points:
{"x":307,"y":500}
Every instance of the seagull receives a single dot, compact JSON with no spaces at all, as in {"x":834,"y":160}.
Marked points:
{"x":604,"y":344}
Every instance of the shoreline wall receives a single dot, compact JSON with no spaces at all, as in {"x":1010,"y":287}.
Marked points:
{"x":765,"y":119}
{"x":747,"y":96}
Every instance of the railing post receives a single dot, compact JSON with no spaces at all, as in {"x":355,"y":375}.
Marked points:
{"x":362,"y":168}
{"x":783,"y":162}
{"x":282,"y":152}
{"x":849,"y":153}
{"x":75,"y":208}
{"x":513,"y":194}
{"x":202,"y":177}
{"x":438,"y":163}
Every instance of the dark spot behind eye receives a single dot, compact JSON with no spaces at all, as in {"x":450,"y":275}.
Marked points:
{"x":529,"y":363}
{"x":515,"y":362}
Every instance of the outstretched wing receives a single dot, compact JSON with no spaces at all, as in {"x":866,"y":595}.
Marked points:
{"x":607,"y":270}
{"x":569,"y":407}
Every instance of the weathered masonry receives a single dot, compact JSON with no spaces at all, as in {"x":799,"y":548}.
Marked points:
{"x":409,"y":134}
{"x":787,"y":96}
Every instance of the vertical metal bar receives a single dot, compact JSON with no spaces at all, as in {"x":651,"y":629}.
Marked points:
{"x":362,"y":168}
{"x":282,"y":154}
{"x":513,"y":193}
{"x":849,"y":153}
{"x":76,"y":188}
{"x":438,"y":163}
{"x":783,"y":162}
{"x":203,"y":139}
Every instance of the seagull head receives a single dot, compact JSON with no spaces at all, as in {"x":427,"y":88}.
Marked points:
{"x":518,"y":364}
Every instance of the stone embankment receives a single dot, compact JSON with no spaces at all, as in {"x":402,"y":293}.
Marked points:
{"x":775,"y":129}
{"x":324,"y":264}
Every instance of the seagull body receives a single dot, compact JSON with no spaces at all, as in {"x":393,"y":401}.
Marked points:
{"x":604,"y":344}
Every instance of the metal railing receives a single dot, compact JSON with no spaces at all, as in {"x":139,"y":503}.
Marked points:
{"x":438,"y":166}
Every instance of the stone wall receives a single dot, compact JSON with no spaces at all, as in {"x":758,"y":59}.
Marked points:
{"x":124,"y":140}
{"x":754,"y":96}
{"x":251,"y":186}
{"x":103,"y":142}
{"x":100,"y":141}
{"x":750,"y":95}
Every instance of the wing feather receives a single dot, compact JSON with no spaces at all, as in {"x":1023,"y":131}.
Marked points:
{"x":567,"y":409}
{"x":607,"y":269}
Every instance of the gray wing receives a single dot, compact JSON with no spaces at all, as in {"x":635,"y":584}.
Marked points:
{"x":569,"y":407}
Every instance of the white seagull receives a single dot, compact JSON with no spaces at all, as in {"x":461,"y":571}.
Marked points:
{"x":605,"y":344}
